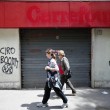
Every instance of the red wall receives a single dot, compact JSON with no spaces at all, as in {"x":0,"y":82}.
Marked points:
{"x":54,"y":14}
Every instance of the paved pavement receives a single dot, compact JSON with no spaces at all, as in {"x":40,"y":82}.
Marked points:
{"x":85,"y":99}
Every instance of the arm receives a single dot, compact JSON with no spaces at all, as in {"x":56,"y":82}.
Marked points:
{"x":66,"y":65}
{"x":56,"y":68}
{"x":52,"y":66}
{"x":52,"y":69}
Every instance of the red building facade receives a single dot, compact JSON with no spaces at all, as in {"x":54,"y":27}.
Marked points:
{"x":80,"y":28}
{"x":54,"y":14}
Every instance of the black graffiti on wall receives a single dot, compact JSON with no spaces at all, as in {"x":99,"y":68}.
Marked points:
{"x":9,"y":62}
{"x":7,"y":50}
{"x":7,"y":68}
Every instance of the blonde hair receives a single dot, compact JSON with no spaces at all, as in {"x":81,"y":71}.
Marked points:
{"x":61,"y":52}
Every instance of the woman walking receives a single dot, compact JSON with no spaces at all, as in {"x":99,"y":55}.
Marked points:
{"x":66,"y":68}
{"x":52,"y":81}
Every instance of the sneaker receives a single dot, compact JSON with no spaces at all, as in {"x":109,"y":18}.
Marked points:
{"x":65,"y":105}
{"x":42,"y":105}
{"x":74,"y":93}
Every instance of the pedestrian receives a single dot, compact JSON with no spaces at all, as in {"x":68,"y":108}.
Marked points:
{"x":53,"y":81}
{"x":66,"y":68}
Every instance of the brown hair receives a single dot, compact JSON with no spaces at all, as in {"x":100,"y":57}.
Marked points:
{"x":50,"y":51}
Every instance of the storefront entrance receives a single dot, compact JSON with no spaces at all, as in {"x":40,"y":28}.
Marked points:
{"x":75,"y":42}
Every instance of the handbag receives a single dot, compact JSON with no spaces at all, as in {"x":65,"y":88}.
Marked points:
{"x":68,"y":75}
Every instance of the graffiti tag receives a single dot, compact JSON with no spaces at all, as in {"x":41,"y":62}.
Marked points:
{"x":9,"y":62}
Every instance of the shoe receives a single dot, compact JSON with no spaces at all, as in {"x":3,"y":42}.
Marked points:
{"x":74,"y":93}
{"x":42,"y":105}
{"x":65,"y":105}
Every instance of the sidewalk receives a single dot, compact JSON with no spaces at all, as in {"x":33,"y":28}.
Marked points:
{"x":85,"y":99}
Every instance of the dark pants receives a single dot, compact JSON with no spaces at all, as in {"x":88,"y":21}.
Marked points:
{"x":58,"y":92}
{"x":68,"y":82}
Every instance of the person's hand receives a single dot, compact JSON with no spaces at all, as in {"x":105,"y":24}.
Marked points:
{"x":47,"y":68}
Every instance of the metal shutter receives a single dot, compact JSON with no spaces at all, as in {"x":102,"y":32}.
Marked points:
{"x":75,"y":42}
